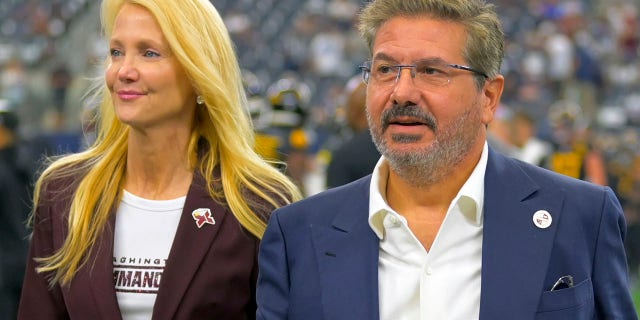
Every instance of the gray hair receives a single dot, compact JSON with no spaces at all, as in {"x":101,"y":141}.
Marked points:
{"x":484,"y":49}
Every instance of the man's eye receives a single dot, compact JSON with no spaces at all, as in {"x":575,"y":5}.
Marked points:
{"x":385,"y":69}
{"x":115,"y":52}
{"x":429,"y":70}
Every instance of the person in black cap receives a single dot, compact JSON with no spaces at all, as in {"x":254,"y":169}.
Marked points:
{"x":14,"y":208}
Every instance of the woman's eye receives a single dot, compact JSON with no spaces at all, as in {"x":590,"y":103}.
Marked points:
{"x":151,"y":54}
{"x":115,"y":52}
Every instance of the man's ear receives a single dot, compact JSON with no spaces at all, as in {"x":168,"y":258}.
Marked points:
{"x":492,"y":92}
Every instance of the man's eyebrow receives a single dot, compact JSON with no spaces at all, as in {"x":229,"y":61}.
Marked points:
{"x":383,"y":56}
{"x":431,"y":60}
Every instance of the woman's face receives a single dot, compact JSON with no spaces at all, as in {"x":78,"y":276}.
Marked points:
{"x":149,"y":87}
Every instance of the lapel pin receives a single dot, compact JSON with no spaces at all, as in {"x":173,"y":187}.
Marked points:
{"x":542,"y":219}
{"x":202,"y":216}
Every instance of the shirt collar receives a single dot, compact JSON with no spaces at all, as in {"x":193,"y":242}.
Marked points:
{"x":470,"y":198}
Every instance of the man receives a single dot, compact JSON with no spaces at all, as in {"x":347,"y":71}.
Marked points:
{"x":445,"y":227}
{"x":14,"y":209}
{"x":357,"y":156}
{"x":531,"y":149}
{"x":571,"y":152}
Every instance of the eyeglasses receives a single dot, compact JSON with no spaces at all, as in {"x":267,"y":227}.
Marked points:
{"x":427,"y":73}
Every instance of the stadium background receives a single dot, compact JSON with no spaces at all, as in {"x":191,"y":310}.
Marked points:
{"x":581,"y":52}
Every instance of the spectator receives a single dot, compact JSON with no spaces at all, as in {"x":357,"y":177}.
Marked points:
{"x":531,"y":149}
{"x":14,"y":208}
{"x":572,"y":154}
{"x":356,"y":157}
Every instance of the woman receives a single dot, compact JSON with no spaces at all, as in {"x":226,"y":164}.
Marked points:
{"x":161,"y":217}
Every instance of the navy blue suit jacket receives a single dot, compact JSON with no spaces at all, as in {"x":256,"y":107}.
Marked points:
{"x":319,"y":257}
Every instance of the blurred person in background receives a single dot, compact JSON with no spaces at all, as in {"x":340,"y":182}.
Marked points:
{"x":161,"y":217}
{"x":630,"y":199}
{"x":530,"y":148}
{"x":13,"y":82}
{"x":14,"y":209}
{"x":624,"y":169}
{"x":283,"y":135}
{"x":60,"y":80}
{"x":499,"y":135}
{"x":357,"y":156}
{"x":573,"y":154}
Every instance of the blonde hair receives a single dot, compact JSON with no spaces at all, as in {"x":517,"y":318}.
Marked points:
{"x":485,"y":43}
{"x":200,"y":41}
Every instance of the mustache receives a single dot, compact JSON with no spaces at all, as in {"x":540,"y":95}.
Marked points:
{"x":412,"y":111}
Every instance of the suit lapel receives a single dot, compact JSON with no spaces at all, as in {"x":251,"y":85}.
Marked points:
{"x":347,"y":255}
{"x":515,"y":252}
{"x":189,"y":247}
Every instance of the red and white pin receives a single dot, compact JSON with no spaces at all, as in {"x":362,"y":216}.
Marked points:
{"x":202,"y":216}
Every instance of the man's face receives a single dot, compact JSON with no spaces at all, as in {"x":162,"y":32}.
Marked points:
{"x":422,"y":124}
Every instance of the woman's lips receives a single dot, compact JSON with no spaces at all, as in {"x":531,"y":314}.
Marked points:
{"x":129,"y":95}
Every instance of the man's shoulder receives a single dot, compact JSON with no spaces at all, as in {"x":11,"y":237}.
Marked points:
{"x":546,"y":178}
{"x":329,"y":202}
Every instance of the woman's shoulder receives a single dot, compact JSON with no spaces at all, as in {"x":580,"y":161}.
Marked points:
{"x":265,"y":202}
{"x":60,"y":183}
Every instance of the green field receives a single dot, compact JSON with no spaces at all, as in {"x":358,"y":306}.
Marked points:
{"x":636,"y":298}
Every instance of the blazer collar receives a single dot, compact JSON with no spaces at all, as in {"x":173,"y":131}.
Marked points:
{"x":99,"y":275}
{"x":515,"y":252}
{"x":189,"y":248}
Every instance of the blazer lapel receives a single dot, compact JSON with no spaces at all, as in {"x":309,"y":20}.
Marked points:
{"x":98,"y":274}
{"x":347,"y":255}
{"x":189,"y":248}
{"x":515,"y":252}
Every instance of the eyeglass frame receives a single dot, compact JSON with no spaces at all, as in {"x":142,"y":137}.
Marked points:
{"x":366,"y":66}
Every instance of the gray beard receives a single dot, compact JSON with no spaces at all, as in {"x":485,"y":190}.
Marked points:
{"x":434,"y":163}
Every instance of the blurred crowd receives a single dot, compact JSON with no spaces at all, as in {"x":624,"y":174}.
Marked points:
{"x":571,"y":102}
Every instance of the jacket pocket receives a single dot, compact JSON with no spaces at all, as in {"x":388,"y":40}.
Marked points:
{"x":570,"y":303}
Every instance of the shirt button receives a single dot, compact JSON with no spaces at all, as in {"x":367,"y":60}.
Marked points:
{"x":429,"y":271}
{"x":391,"y":222}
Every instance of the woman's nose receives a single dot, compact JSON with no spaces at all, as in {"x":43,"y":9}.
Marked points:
{"x":127,"y":70}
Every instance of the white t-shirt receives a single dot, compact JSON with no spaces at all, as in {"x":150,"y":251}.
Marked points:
{"x":143,"y":237}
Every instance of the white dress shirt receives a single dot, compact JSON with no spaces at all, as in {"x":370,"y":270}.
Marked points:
{"x":443,"y":283}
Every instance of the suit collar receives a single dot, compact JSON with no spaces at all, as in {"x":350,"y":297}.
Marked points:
{"x":347,"y":255}
{"x":515,"y":252}
{"x":352,"y":208}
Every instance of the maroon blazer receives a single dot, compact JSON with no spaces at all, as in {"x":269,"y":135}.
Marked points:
{"x":210,"y":274}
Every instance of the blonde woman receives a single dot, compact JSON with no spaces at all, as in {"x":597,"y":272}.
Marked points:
{"x":162,"y":216}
